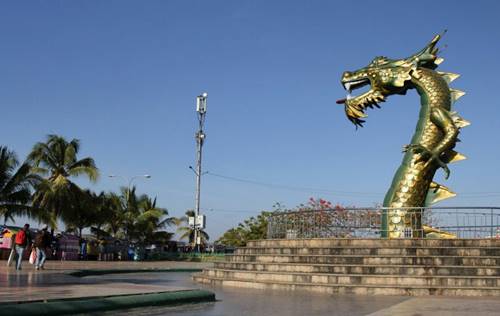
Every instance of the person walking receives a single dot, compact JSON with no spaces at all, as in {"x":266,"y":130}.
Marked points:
{"x":23,"y":240}
{"x":42,"y":242}
{"x":12,"y":254}
{"x":83,"y":249}
{"x":101,"y":250}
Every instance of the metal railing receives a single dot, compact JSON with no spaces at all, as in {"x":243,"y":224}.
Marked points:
{"x":459,"y":222}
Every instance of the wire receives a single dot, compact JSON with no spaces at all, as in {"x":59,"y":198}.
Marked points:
{"x":293,"y":188}
{"x":480,"y":193}
{"x":321,"y":190}
{"x":230,"y":211}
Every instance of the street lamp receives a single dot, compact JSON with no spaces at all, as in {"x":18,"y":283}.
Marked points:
{"x":129,"y":181}
{"x":199,"y":221}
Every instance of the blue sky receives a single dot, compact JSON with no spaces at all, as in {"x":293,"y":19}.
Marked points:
{"x":122,"y":76}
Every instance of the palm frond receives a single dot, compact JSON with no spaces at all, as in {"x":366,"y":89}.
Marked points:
{"x":69,"y":155}
{"x":85,"y":166}
{"x":41,"y":154}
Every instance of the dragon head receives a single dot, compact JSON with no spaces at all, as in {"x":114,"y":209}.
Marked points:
{"x":385,"y":77}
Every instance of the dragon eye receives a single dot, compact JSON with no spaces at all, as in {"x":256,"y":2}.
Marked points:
{"x":380,"y":60}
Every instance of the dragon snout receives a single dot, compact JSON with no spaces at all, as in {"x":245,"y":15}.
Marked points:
{"x":346,"y":75}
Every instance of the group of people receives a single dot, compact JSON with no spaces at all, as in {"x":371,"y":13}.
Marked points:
{"x":22,"y":240}
{"x":103,"y":250}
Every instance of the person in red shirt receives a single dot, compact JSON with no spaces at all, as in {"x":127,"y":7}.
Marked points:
{"x":23,"y":240}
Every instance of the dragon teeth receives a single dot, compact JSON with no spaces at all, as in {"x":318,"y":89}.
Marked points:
{"x":348,"y":85}
{"x":348,"y":94}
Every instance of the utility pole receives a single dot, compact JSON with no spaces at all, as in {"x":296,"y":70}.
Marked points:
{"x":199,"y":221}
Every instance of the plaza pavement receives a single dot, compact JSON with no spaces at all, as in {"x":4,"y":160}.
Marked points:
{"x":55,"y":282}
{"x":443,"y":306}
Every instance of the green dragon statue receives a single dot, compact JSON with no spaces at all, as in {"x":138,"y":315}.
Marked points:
{"x":432,"y":144}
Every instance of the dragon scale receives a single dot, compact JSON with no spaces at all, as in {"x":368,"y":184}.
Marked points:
{"x":432,"y":144}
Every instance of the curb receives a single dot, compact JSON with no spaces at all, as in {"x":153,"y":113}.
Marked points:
{"x":107,"y":303}
{"x":91,"y":272}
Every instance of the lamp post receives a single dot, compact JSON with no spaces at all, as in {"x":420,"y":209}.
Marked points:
{"x":201,"y":109}
{"x":129,"y":185}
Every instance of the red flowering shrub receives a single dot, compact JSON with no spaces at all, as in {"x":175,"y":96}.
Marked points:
{"x":321,"y":218}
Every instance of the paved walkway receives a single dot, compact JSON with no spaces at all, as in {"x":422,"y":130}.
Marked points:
{"x":443,"y":306}
{"x":54,"y":282}
{"x":249,"y":302}
{"x":52,"y":266}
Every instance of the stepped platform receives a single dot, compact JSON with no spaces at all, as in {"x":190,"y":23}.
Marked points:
{"x":452,"y":267}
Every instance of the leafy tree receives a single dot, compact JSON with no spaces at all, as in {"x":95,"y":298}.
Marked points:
{"x":234,"y":237}
{"x":136,"y":218}
{"x":187,"y":232}
{"x":131,"y":210}
{"x":139,"y":220}
{"x":111,"y":214}
{"x":57,"y":160}
{"x":251,"y":229}
{"x":85,"y":212}
{"x":149,"y":222}
{"x":16,"y":183}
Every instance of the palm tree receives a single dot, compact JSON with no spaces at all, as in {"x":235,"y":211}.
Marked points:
{"x":152,"y":220}
{"x":112,"y":214}
{"x":15,"y":186}
{"x":57,"y":159}
{"x":84,"y":213}
{"x":186,"y":231}
{"x":131,"y":210}
{"x":143,"y":220}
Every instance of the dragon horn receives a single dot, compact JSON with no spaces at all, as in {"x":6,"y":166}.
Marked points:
{"x":428,"y":55}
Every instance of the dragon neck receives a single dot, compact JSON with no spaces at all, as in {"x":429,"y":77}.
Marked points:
{"x":434,"y":92}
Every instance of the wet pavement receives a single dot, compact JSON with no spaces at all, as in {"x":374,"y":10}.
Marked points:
{"x":243,"y":302}
{"x":54,"y":282}
{"x":246,"y":302}
{"x":64,"y":266}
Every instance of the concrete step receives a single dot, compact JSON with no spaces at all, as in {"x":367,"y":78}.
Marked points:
{"x":370,"y":260}
{"x":374,"y":243}
{"x":441,"y":270}
{"x":469,"y":267}
{"x":374,"y":251}
{"x":357,"y":279}
{"x":349,"y":288}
